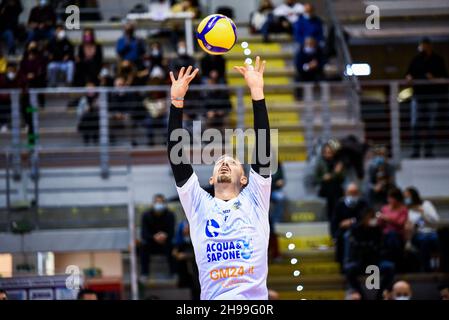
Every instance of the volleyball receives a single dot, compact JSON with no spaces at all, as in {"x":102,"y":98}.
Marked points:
{"x":216,"y":34}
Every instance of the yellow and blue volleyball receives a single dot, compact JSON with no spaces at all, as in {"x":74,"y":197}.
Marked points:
{"x":216,"y":34}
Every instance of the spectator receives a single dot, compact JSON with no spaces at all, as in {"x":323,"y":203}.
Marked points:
{"x":329,"y":174}
{"x":8,"y":80}
{"x":401,"y":291}
{"x":392,"y":218}
{"x":381,"y":178}
{"x":158,"y":226}
{"x":155,"y":58}
{"x":183,"y":59}
{"x":363,"y":247}
{"x":308,"y":25}
{"x":126,"y":111}
{"x":348,"y":211}
{"x":61,"y":58}
{"x":261,"y":21}
{"x":159,"y":10}
{"x":217,"y":63}
{"x":3,"y":295}
{"x":187,"y":6}
{"x":89,"y":59}
{"x":217,"y":103}
{"x":444,"y":291}
{"x":185,"y":261}
{"x":10,"y":11}
{"x":426,"y":65}
{"x":286,"y":15}
{"x":89,"y":121}
{"x":309,"y":61}
{"x":421,"y":216}
{"x":41,"y":22}
{"x":87,"y":294}
{"x":278,"y":197}
{"x":131,"y":48}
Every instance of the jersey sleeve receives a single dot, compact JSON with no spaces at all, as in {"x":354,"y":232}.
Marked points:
{"x":259,"y":190}
{"x":191,"y":194}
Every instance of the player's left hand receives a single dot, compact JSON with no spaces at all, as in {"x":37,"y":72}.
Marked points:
{"x":254,"y":77}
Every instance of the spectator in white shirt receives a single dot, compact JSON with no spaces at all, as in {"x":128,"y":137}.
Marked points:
{"x":283,"y":17}
{"x":422,"y":216}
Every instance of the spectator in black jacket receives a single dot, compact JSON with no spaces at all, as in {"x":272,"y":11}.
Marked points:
{"x":89,"y":120}
{"x":9,"y":21}
{"x":61,"y":57}
{"x":157,"y":231}
{"x":427,"y":98}
{"x":347,"y":213}
{"x":363,"y":248}
{"x":89,"y":59}
{"x":41,"y":22}
{"x":309,"y":61}
{"x":8,"y":80}
{"x":215,"y":63}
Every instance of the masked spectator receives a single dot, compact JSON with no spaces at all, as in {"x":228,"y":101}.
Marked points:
{"x":131,"y":48}
{"x":348,"y":211}
{"x":286,"y":15}
{"x":61,"y":58}
{"x":381,"y":175}
{"x":41,"y":22}
{"x":308,"y":25}
{"x":401,"y":291}
{"x":422,"y":216}
{"x":157,"y":230}
{"x":309,"y":61}
{"x":89,"y":59}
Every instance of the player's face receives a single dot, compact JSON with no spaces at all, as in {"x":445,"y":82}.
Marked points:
{"x":227,"y":170}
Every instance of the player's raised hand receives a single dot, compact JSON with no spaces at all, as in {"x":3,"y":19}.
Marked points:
{"x":254,"y":77}
{"x":180,"y":86}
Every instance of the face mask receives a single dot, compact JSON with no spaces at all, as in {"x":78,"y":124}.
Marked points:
{"x":306,"y":16}
{"x":11,"y":75}
{"x":309,"y":50}
{"x":187,"y":239}
{"x":408,"y":201}
{"x":402,"y":298}
{"x":378,"y":160}
{"x":88,"y":38}
{"x":158,"y":207}
{"x":61,"y":35}
{"x":182,"y":51}
{"x":351,"y":201}
{"x":43,"y":3}
{"x":155,"y":52}
{"x":32,"y":50}
{"x":372,"y":222}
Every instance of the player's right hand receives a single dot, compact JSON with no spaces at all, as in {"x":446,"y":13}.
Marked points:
{"x":180,"y":86}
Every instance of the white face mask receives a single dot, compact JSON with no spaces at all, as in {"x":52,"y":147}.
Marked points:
{"x":309,"y":50}
{"x":61,"y":35}
{"x":11,"y":75}
{"x":182,"y":51}
{"x":402,"y":298}
{"x":159,"y":207}
{"x":372,"y":222}
{"x":43,"y":2}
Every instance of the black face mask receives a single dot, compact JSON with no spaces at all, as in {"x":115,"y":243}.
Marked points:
{"x":32,"y":51}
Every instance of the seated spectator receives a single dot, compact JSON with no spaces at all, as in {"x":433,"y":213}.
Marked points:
{"x":157,"y":230}
{"x":87,"y":294}
{"x":89,"y":121}
{"x":363,"y":248}
{"x":261,"y":21}
{"x":186,"y":6}
{"x":126,"y":111}
{"x":8,"y":80}
{"x":348,"y":212}
{"x":61,"y":58}
{"x":444,"y":291}
{"x":329,"y":175}
{"x":41,"y":22}
{"x":217,"y":63}
{"x":156,"y":106}
{"x":89,"y":59}
{"x":159,"y":10}
{"x":309,"y":61}
{"x":131,"y":48}
{"x":155,"y":58}
{"x":308,"y":25}
{"x":278,"y":197}
{"x":401,"y":291}
{"x":3,"y":295}
{"x":392,"y":218}
{"x":105,"y":77}
{"x":422,"y":234}
{"x":10,"y":11}
{"x":217,"y":103}
{"x":182,"y":59}
{"x":381,"y":178}
{"x":185,"y":261}
{"x":285,"y":15}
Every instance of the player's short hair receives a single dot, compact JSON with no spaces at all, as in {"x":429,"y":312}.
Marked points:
{"x":229,"y":156}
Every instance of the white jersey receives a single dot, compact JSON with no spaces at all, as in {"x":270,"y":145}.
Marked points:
{"x":230,"y":239}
